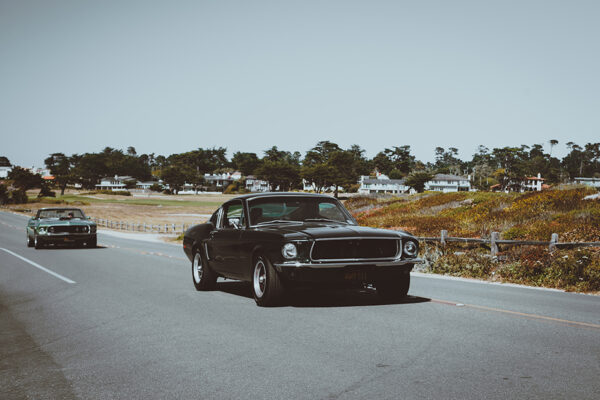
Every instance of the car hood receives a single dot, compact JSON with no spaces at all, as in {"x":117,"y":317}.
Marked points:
{"x":321,"y":230}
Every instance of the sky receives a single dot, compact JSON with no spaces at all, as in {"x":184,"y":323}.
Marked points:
{"x":172,"y":76}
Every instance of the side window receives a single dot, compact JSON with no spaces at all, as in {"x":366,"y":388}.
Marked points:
{"x":233,"y":216}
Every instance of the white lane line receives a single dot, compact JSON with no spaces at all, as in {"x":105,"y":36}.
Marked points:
{"x":59,"y":276}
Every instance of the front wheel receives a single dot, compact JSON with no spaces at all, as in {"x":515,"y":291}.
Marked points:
{"x":92,"y":243}
{"x":37,"y":242}
{"x":203,"y":276}
{"x":30,"y":241}
{"x":394,"y":288}
{"x":266,"y":284}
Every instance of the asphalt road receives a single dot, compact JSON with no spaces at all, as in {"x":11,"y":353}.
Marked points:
{"x":131,"y":326}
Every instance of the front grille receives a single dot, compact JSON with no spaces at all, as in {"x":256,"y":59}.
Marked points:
{"x":355,"y":249}
{"x":68,"y":229}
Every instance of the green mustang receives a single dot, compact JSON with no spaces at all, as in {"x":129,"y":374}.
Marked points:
{"x":60,"y":225}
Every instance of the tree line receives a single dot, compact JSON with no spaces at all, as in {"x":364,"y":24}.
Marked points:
{"x":326,"y":165}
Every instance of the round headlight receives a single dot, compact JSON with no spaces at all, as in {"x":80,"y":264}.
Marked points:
{"x":289,"y":250}
{"x":42,"y":230}
{"x":410,"y":248}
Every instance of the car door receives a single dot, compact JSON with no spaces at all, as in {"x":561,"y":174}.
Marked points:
{"x":223,"y":245}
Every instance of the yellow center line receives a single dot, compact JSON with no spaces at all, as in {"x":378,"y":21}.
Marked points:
{"x":520,"y":314}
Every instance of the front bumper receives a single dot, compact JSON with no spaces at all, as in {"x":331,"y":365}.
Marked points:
{"x":347,"y":271}
{"x":66,"y":237}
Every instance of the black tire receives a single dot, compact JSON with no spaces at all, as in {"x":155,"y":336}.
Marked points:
{"x":267,"y":287}
{"x":393,"y":288}
{"x":203,"y":276}
{"x":38,"y":243}
{"x":92,"y":243}
{"x":30,"y":242}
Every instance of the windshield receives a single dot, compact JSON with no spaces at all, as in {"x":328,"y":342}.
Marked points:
{"x":296,"y":209}
{"x":63,"y":213}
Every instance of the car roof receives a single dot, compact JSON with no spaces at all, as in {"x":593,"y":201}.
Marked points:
{"x":281,"y":194}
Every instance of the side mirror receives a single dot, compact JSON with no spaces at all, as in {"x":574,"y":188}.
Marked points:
{"x":235,"y":222}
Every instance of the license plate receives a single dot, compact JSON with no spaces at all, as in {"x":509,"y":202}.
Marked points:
{"x":355,"y":276}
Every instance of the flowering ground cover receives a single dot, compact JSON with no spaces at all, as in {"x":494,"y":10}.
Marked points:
{"x":528,"y":216}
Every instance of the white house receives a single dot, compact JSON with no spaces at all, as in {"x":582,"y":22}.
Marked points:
{"x":448,"y":183}
{"x":254,"y":184}
{"x":4,"y":170}
{"x":382,"y":184}
{"x":146,"y":185}
{"x":308,"y":186}
{"x":533,"y":183}
{"x":115,"y":183}
{"x":527,"y":184}
{"x":593,"y":182}
{"x":222,"y":180}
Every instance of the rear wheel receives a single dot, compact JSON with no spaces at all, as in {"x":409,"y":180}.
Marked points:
{"x":266,"y":284}
{"x":203,"y":276}
{"x":394,"y":288}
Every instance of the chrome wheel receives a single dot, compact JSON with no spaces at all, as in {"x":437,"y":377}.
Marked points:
{"x":197,"y":269}
{"x":259,"y":278}
{"x":203,"y":276}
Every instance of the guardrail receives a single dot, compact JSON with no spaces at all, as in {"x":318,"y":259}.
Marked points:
{"x":494,"y":242}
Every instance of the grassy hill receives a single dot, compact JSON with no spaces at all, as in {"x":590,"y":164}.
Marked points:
{"x":533,"y":215}
{"x":527,"y":216}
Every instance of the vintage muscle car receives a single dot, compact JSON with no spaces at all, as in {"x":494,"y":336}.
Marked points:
{"x":280,"y":240}
{"x":60,"y":226}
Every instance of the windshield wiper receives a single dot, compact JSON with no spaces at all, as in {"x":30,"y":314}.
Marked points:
{"x":325,"y":220}
{"x":277,"y":221}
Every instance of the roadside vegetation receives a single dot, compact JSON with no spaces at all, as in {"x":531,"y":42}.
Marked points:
{"x":529,"y":216}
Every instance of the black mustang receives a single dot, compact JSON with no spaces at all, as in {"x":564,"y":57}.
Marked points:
{"x":277,"y":240}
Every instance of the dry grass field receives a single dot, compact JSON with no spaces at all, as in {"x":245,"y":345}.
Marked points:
{"x":143,"y":208}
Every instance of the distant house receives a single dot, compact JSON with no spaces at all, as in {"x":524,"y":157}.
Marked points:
{"x":448,"y":183}
{"x":382,"y":184}
{"x":221,"y":181}
{"x":4,"y":170}
{"x":5,"y":167}
{"x":145,"y":185}
{"x":593,"y":182}
{"x":308,"y":186}
{"x":527,"y":184}
{"x":253,"y":184}
{"x":114,"y":183}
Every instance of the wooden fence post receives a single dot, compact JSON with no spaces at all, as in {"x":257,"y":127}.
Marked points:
{"x":553,"y":241}
{"x":493,"y":245}
{"x":443,"y":236}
